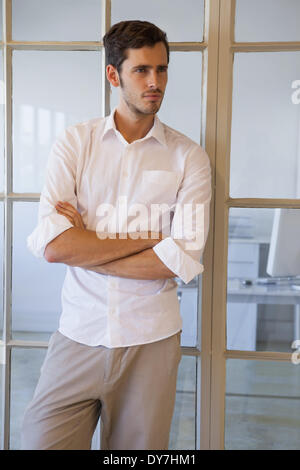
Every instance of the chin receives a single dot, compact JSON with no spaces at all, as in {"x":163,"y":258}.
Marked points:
{"x":146,"y":110}
{"x":153,"y":109}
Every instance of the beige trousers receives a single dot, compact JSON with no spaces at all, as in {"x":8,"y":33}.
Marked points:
{"x":132,"y":388}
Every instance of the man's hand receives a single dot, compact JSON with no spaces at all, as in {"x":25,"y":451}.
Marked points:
{"x":66,"y":209}
{"x":79,"y":246}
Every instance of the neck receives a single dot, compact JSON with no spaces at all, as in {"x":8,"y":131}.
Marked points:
{"x":132,"y":126}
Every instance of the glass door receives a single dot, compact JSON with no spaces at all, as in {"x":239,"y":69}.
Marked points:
{"x":255,"y":330}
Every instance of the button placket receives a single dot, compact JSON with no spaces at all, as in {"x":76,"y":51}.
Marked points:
{"x":124,"y":172}
{"x":110,"y":297}
{"x":124,"y":176}
{"x":112,"y":308}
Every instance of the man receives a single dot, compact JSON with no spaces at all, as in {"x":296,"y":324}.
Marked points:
{"x":117,"y":350}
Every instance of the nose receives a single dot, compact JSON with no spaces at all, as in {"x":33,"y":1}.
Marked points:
{"x":153,"y":80}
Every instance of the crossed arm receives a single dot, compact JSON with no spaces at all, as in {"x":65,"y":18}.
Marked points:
{"x":127,"y":257}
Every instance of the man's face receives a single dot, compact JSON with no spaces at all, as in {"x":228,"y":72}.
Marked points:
{"x":143,"y":78}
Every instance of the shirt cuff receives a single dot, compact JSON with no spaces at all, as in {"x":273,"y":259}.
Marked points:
{"x":48,"y":229}
{"x":174,"y":257}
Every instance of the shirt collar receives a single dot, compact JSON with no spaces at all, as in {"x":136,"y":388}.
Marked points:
{"x":157,"y":130}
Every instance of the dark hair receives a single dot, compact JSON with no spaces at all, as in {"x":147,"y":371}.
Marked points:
{"x":131,"y":34}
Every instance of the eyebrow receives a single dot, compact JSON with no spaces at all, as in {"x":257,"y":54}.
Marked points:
{"x":148,"y":66}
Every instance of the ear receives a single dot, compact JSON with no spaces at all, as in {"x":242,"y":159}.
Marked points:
{"x":112,"y":75}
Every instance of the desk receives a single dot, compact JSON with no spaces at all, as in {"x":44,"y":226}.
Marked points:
{"x":261,"y":294}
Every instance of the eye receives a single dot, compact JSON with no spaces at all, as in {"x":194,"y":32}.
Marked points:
{"x":141,"y":70}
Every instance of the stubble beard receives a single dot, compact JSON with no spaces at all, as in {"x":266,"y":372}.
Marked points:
{"x":134,"y":107}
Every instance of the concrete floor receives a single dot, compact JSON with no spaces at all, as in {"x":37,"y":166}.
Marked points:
{"x":262,"y":402}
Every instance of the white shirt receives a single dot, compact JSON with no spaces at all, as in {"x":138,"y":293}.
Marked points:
{"x":91,"y":163}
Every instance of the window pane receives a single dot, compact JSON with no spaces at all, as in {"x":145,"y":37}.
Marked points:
{"x":181,"y":108}
{"x":263,"y":291}
{"x":267,"y":20}
{"x":51,"y":90}
{"x":1,"y":124}
{"x":36,"y":284}
{"x":188,"y":299}
{"x":1,"y":265}
{"x":265,"y":139}
{"x":182,"y":435}
{"x":58,"y":20}
{"x":262,"y":405}
{"x":182,"y":21}
{"x":25,"y":372}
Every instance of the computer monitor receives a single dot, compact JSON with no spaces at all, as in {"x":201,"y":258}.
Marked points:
{"x":284,"y":252}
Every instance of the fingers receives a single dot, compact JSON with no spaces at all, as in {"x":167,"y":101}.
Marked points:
{"x":66,"y":209}
{"x":67,"y":216}
{"x":74,"y":219}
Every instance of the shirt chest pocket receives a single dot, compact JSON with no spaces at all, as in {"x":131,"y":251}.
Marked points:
{"x":158,"y":187}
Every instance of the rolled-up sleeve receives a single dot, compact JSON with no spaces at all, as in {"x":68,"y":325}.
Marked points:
{"x":181,"y":251}
{"x":60,"y":185}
